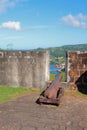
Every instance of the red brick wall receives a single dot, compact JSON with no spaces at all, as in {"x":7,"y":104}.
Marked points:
{"x":76,"y":65}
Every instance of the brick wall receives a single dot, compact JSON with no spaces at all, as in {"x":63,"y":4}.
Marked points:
{"x":76,"y":65}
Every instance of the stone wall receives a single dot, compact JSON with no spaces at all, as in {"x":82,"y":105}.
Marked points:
{"x":24,"y":68}
{"x":76,"y":66}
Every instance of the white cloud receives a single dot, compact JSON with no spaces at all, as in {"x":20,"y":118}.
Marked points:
{"x":11,"y":25}
{"x":4,"y":4}
{"x":16,"y":25}
{"x":82,"y":16}
{"x":79,"y":21}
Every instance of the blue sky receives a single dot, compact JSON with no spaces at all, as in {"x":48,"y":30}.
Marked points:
{"x":30,"y":24}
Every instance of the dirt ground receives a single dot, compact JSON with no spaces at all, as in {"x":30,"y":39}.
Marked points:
{"x":23,"y":113}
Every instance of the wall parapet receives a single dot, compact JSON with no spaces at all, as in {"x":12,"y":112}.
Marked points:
{"x":24,"y":68}
{"x":76,"y":66}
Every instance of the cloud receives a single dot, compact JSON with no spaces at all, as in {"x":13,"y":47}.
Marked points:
{"x":15,"y":25}
{"x":4,"y":4}
{"x":82,"y":16}
{"x":78,"y":21}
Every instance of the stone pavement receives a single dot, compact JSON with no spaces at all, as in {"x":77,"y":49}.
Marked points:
{"x":24,"y":114}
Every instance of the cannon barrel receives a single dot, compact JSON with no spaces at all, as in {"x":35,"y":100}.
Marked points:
{"x":51,"y":91}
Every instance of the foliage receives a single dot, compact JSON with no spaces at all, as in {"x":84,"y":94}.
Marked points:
{"x":61,"y":51}
{"x":56,"y":52}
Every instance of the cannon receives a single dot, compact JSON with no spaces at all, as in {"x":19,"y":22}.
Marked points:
{"x":53,"y":93}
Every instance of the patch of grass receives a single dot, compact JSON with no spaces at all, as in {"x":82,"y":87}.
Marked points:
{"x":52,"y":76}
{"x":63,"y":76}
{"x":7,"y":93}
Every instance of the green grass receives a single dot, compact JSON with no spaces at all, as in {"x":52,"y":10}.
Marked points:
{"x":7,"y":93}
{"x":63,"y":76}
{"x":52,"y":76}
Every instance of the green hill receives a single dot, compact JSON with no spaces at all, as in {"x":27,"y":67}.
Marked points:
{"x":61,"y":51}
{"x":56,"y":52}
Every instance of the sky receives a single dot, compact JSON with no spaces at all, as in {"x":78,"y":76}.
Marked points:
{"x":32,"y":24}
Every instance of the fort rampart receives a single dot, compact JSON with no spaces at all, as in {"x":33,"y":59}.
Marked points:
{"x":24,"y":68}
{"x":76,"y":65}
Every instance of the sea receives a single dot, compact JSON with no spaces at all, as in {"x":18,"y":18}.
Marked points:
{"x":54,"y":70}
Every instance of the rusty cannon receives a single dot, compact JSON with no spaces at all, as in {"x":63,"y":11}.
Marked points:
{"x":53,"y":93}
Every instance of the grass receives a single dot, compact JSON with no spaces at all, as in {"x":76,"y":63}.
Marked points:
{"x":52,"y":76}
{"x":7,"y":93}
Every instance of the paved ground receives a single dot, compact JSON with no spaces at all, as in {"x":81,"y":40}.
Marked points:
{"x":24,"y":114}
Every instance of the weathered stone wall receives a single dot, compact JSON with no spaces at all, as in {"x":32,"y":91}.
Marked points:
{"x":76,"y":65}
{"x":24,"y":68}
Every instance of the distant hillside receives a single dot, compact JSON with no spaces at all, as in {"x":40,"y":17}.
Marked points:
{"x":61,"y":51}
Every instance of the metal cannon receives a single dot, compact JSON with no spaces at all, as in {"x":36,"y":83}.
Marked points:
{"x":53,"y":93}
